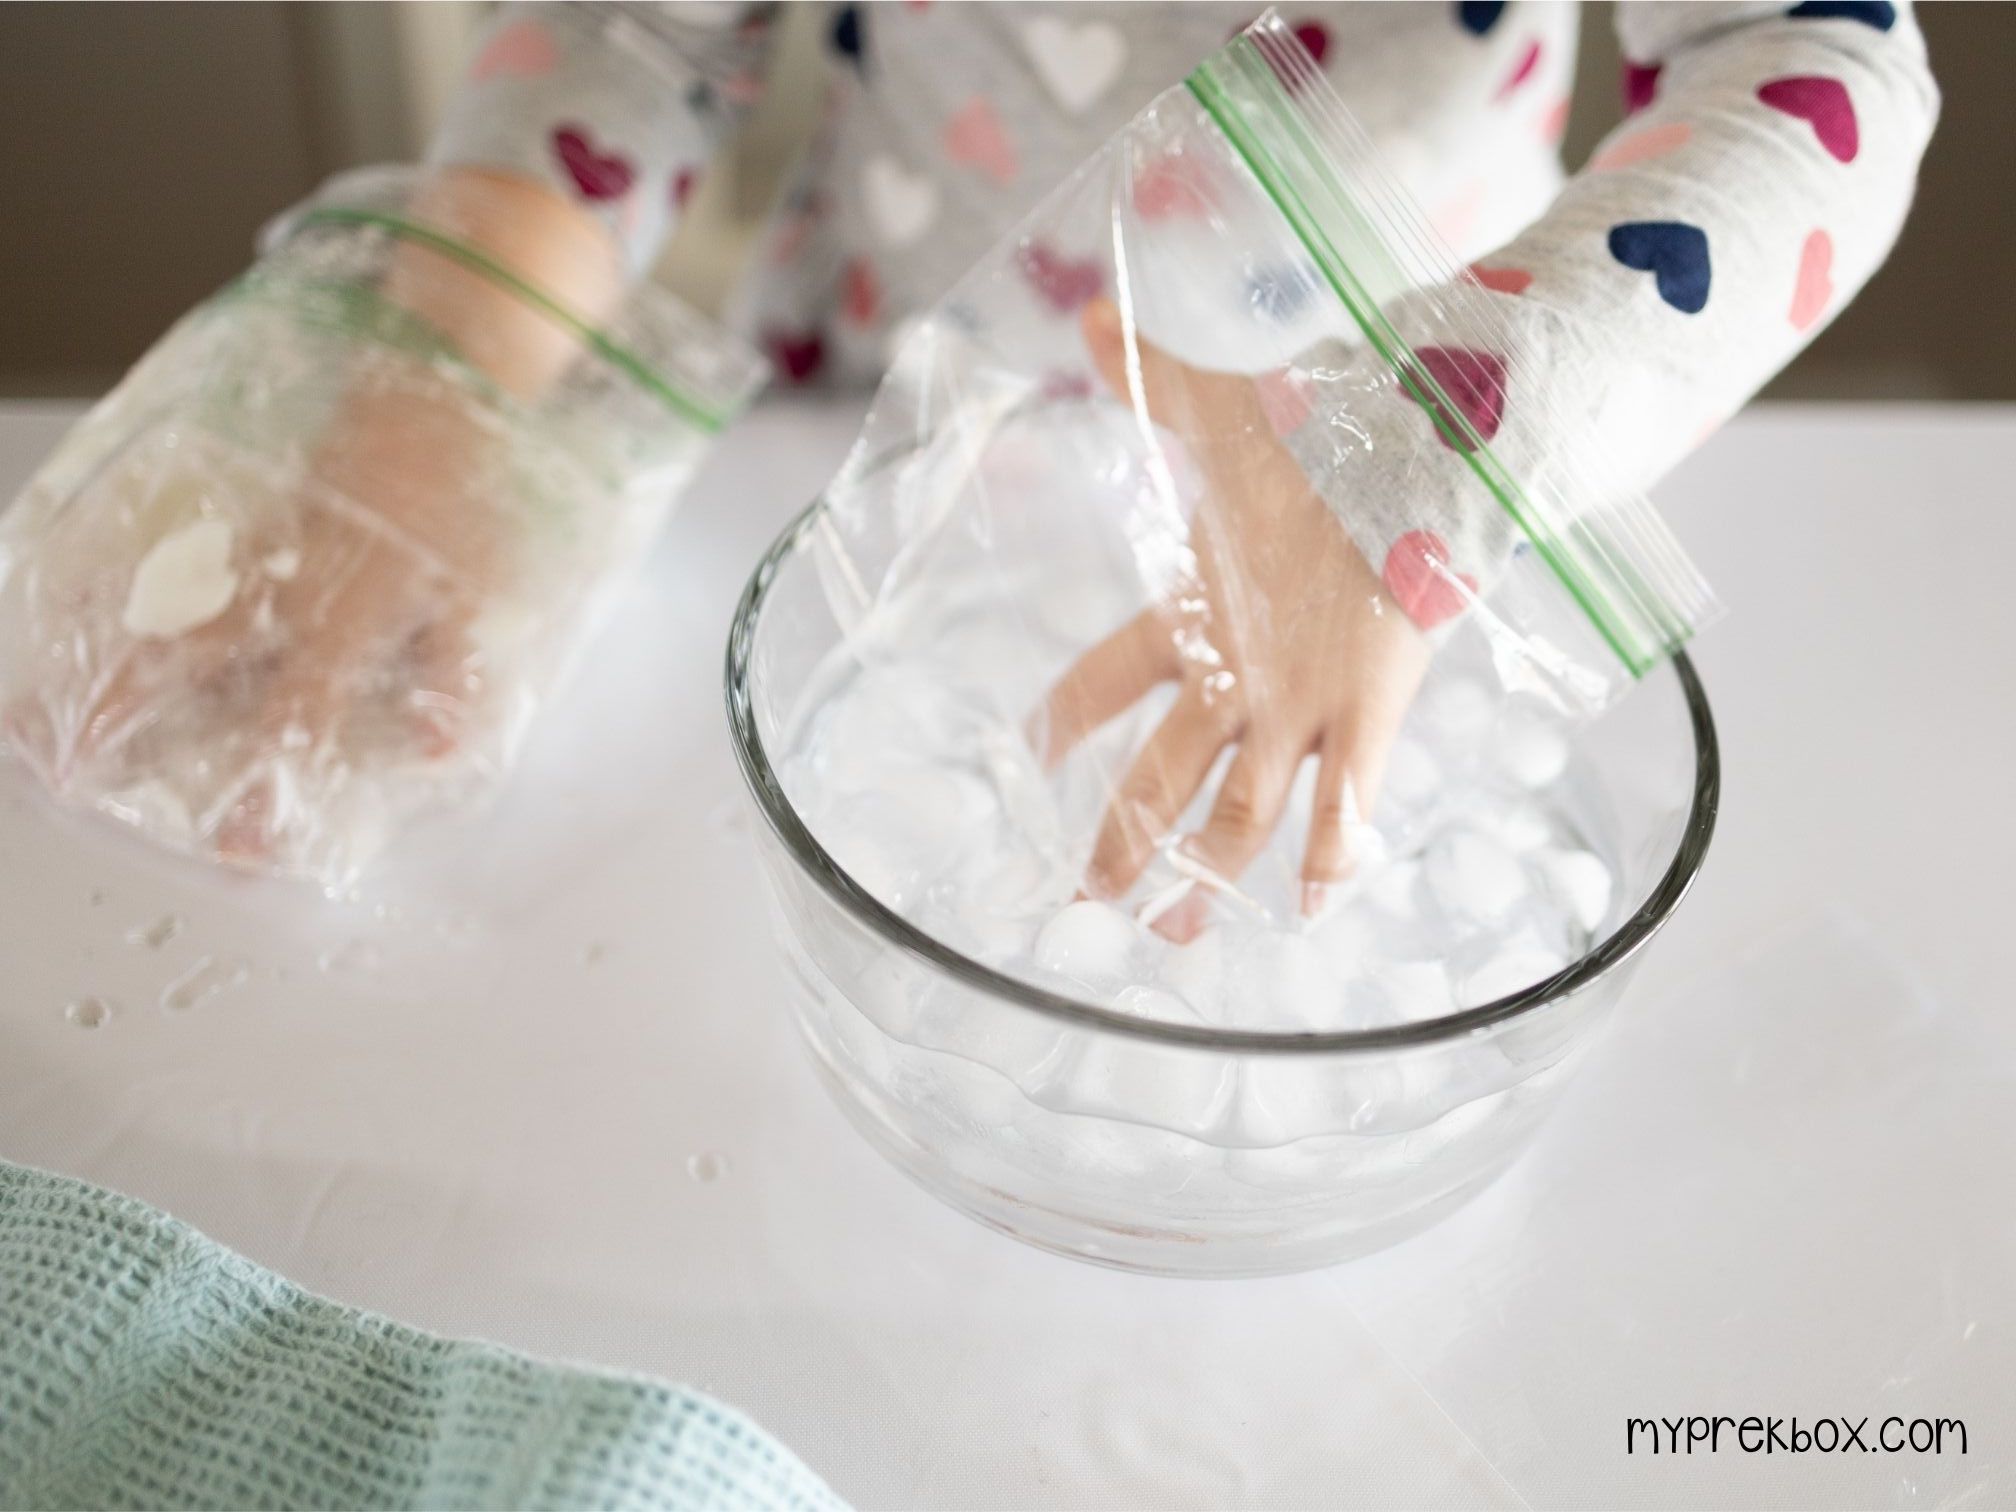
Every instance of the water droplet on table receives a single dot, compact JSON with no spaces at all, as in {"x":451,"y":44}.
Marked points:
{"x":208,"y":977}
{"x":708,"y":1165}
{"x":156,"y":934}
{"x":89,"y":1013}
{"x":352,"y":955}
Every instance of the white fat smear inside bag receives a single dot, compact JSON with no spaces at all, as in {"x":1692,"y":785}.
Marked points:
{"x":1004,"y":511}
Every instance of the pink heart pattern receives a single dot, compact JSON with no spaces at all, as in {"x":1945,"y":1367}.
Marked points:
{"x":1286,"y":399}
{"x":522,"y":50}
{"x":1554,"y":125}
{"x":1823,"y":104}
{"x":1418,"y":575}
{"x":975,"y":137}
{"x":861,"y":293}
{"x":1502,"y":280}
{"x":1815,"y":284}
{"x":1168,"y":188}
{"x":1063,"y":283}
{"x":1640,"y":147}
{"x":598,"y":175}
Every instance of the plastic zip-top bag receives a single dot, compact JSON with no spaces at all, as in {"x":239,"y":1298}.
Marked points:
{"x":1222,"y":576}
{"x":311,"y":568}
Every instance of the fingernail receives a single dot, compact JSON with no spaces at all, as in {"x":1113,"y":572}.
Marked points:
{"x":1313,"y":894}
{"x":1186,"y":920}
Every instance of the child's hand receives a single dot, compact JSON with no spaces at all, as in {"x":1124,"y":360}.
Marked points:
{"x":362,"y":652}
{"x":1285,"y":642}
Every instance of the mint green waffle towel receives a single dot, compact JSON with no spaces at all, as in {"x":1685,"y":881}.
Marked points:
{"x":142,"y":1365}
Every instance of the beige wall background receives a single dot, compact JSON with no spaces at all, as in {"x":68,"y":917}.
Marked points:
{"x":141,"y":146}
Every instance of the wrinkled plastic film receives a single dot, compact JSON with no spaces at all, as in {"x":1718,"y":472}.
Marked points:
{"x":310,"y":570}
{"x":1223,"y":383}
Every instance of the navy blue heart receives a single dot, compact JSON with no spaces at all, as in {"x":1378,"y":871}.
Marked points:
{"x":1673,"y":252}
{"x":847,"y":35}
{"x":1479,"y":16}
{"x":1877,"y":13}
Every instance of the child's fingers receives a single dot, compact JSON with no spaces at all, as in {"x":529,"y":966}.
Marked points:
{"x":1138,"y":372}
{"x":117,"y":704}
{"x":1354,"y":752}
{"x":1338,"y":807}
{"x":1164,"y":778}
{"x":443,"y":685}
{"x":1248,"y":808}
{"x":244,"y":832}
{"x":1105,"y":683}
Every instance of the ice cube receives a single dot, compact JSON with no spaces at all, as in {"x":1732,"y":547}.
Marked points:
{"x":882,"y":858}
{"x":1457,"y":709}
{"x":979,"y":1095}
{"x":1412,"y":775}
{"x":1530,"y":752}
{"x":1394,"y":890}
{"x":1580,"y":883}
{"x":1089,"y":942}
{"x":1472,"y":876}
{"x":1168,"y":1086}
{"x":1196,"y":972}
{"x":1284,"y":982}
{"x":1416,"y":990}
{"x":1522,"y":827}
{"x":1158,"y":1004}
{"x":1512,"y":968}
{"x":1349,"y":936}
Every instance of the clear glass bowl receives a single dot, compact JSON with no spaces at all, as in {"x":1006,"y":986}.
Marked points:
{"x":1188,"y":1150}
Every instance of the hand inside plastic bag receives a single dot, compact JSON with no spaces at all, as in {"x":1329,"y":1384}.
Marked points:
{"x":337,"y":636}
{"x":351,"y":564}
{"x":1283,"y":641}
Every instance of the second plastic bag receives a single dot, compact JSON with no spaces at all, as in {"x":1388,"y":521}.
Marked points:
{"x":311,"y":568}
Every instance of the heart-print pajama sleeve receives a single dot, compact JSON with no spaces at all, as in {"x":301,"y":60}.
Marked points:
{"x":619,"y":108}
{"x":1760,"y":179}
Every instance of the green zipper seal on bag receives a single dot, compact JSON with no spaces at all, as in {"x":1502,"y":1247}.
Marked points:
{"x":1420,"y":384}
{"x":617,"y":356}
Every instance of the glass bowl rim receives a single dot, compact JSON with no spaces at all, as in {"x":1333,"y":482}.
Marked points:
{"x":1610,"y":953}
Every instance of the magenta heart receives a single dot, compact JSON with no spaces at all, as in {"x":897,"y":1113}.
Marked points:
{"x":1065,"y":284}
{"x":1418,"y":576}
{"x":1641,"y":85}
{"x":1823,"y":104}
{"x":1522,"y":70}
{"x":1315,"y":37}
{"x":1472,"y":381}
{"x":798,"y":354}
{"x":598,"y":175}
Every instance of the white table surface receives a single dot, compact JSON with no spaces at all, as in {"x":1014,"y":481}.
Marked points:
{"x":1783,"y":1186}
